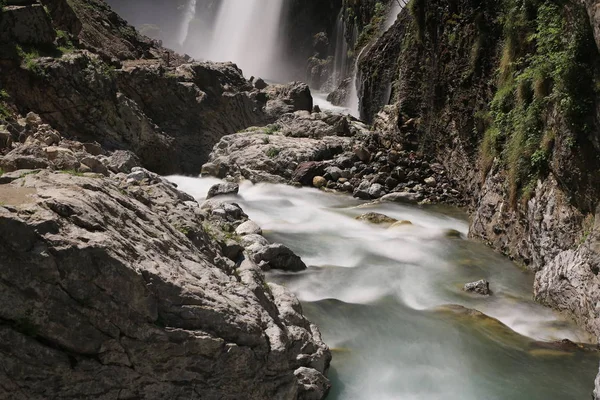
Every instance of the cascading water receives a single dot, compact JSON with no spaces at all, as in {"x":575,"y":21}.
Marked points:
{"x":390,"y":305}
{"x":190,"y":14}
{"x":247,"y":33}
{"x":341,"y":50}
{"x":353,"y":100}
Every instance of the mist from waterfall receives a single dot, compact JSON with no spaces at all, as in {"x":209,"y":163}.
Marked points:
{"x":190,"y":14}
{"x":247,"y":33}
{"x":341,"y":50}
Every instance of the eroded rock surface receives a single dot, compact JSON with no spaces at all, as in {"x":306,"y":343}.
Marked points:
{"x":118,"y":278}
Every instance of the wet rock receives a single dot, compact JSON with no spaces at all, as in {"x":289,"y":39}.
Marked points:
{"x":222,"y":189}
{"x":319,"y":182}
{"x":401,"y":224}
{"x":278,"y":256}
{"x":376,"y":218}
{"x":481,"y":287}
{"x":402,"y":197}
{"x":334,"y":173}
{"x":248,"y":228}
{"x":314,"y":385}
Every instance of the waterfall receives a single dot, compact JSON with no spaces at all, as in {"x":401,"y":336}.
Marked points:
{"x":353,"y":100}
{"x":341,"y":50}
{"x":246,"y":32}
{"x":190,"y":14}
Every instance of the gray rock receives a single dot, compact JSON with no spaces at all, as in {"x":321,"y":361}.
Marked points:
{"x":314,"y":385}
{"x":481,"y":287}
{"x":248,"y":228}
{"x":278,"y":256}
{"x":99,"y":281}
{"x":363,"y":154}
{"x":362,"y":191}
{"x":402,"y":197}
{"x":431,"y":181}
{"x":121,"y":161}
{"x":334,"y":172}
{"x":249,"y":240}
{"x":221,"y":189}
{"x":376,"y":191}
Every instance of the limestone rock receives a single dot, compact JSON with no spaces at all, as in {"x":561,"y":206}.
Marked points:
{"x":481,"y":287}
{"x":101,"y":278}
{"x":376,"y":218}
{"x":221,"y":189}
{"x":248,"y":228}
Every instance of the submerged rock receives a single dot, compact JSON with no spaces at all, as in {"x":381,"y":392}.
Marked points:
{"x":481,"y":287}
{"x":376,"y":218}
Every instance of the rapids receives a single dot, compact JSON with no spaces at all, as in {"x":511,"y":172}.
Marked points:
{"x":387,"y":300}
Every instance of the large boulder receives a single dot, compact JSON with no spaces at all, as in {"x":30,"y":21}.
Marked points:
{"x":27,"y":24}
{"x":114,"y":290}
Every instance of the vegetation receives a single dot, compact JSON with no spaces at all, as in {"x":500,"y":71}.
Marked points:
{"x":548,"y":64}
{"x":273,"y":152}
{"x":273,"y":128}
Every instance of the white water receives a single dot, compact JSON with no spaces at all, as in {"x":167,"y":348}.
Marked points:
{"x":247,"y":33}
{"x":341,"y":50}
{"x":353,"y":100}
{"x":395,"y":9}
{"x":376,"y":293}
{"x":190,"y":14}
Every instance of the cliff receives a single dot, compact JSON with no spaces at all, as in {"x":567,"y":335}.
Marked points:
{"x":113,"y":283}
{"x":504,"y":95}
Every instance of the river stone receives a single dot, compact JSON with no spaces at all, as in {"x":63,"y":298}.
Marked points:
{"x":431,"y":182}
{"x":376,"y":218}
{"x":248,"y":228}
{"x":319,"y":181}
{"x":363,"y":154}
{"x":278,"y":256}
{"x":402,"y":197}
{"x":481,"y":287}
{"x":376,"y":190}
{"x":307,"y":171}
{"x":221,"y":189}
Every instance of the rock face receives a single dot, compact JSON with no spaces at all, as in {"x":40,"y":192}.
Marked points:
{"x":106,"y":278}
{"x":26,"y":24}
{"x":102,"y":81}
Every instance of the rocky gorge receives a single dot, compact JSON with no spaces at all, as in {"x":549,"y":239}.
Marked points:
{"x":117,"y":284}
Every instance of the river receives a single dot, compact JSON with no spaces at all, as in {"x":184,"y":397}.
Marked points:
{"x":387,"y":300}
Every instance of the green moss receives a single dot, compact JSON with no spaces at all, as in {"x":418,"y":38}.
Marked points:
{"x":273,"y":128}
{"x":273,"y":152}
{"x":71,"y":172}
{"x":547,"y":64}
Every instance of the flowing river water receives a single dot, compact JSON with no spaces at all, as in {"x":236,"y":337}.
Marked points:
{"x":388,"y":302}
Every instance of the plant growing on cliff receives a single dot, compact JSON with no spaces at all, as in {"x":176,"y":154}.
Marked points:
{"x":273,"y":152}
{"x":547,"y":68}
